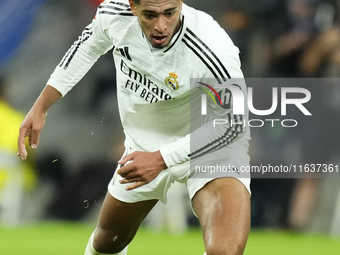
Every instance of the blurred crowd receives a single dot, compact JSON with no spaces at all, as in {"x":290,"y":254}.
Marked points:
{"x":82,"y":138}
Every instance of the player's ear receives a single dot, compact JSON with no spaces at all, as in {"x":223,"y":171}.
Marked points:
{"x":133,"y":7}
{"x":181,"y":5}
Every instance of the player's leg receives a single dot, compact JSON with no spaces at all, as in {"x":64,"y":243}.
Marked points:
{"x":223,"y":209}
{"x":117,"y":225}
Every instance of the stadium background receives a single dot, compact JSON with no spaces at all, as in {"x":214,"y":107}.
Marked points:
{"x":56,"y":206}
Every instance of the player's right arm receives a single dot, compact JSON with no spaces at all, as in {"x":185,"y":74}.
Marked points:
{"x":92,"y":43}
{"x":35,"y":120}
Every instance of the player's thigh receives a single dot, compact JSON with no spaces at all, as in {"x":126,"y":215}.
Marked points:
{"x":223,"y":209}
{"x":119,"y":221}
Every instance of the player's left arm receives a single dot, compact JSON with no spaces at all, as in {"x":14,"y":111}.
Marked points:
{"x":140,"y":168}
{"x":208,"y":137}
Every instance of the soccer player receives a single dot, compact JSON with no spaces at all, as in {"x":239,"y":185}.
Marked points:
{"x":159,"y":45}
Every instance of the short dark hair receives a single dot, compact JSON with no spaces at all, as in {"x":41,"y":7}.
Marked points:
{"x":136,"y":1}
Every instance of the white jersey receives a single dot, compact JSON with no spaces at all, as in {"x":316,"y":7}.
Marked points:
{"x":153,"y":85}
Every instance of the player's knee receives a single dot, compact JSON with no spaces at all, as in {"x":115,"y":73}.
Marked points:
{"x":108,"y":242}
{"x":224,"y":248}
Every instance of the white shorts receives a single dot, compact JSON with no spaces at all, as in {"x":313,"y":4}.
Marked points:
{"x":194,"y":173}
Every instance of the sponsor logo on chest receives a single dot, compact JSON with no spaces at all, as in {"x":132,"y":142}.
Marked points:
{"x":145,"y":88}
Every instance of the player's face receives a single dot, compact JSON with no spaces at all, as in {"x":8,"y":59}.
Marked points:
{"x":159,"y":19}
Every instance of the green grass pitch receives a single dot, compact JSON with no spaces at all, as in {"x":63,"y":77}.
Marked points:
{"x":71,"y":238}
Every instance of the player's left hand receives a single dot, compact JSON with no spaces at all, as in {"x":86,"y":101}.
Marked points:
{"x":143,"y":168}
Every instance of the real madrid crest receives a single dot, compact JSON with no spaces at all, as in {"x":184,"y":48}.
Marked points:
{"x":171,"y":81}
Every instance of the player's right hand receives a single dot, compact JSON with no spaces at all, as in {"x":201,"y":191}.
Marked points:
{"x":30,"y":127}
